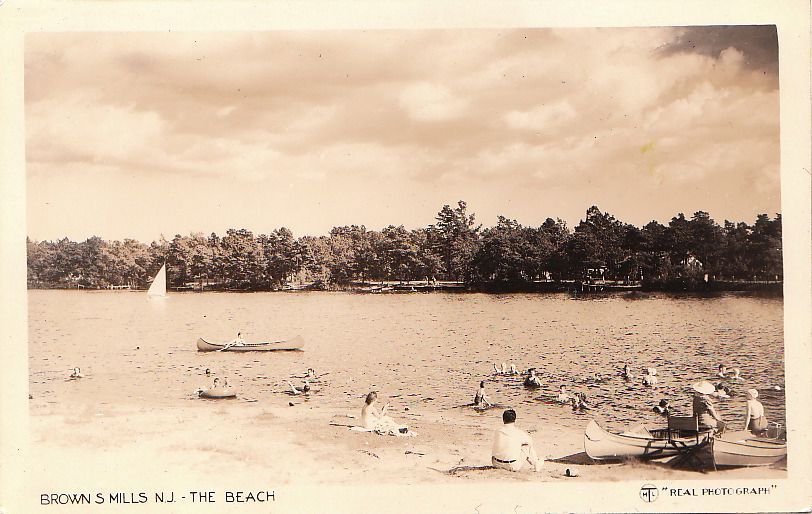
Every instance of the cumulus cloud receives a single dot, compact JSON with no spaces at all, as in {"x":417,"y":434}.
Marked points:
{"x":437,"y":115}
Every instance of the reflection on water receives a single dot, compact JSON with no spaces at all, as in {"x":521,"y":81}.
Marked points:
{"x":426,"y":352}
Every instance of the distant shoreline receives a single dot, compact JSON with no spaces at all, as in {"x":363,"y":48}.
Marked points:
{"x":575,"y":287}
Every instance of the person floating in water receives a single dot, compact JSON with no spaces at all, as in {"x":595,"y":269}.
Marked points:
{"x":216,"y":383}
{"x":512,"y":448}
{"x":532,"y":381}
{"x":736,"y":375}
{"x":650,"y":378}
{"x":480,"y":400}
{"x":755,"y":421}
{"x":722,"y":371}
{"x":305,"y":389}
{"x":662,"y":408}
{"x":77,"y":373}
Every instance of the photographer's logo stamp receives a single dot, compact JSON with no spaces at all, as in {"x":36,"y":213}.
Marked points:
{"x":649,"y":493}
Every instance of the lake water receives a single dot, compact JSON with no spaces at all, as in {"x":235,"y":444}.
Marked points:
{"x":427,"y":352}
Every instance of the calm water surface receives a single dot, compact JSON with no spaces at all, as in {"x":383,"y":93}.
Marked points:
{"x":423,"y":351}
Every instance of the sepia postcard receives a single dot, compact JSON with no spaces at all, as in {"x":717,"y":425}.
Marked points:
{"x":409,"y":257}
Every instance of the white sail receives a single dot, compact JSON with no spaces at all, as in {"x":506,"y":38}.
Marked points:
{"x":158,"y":287}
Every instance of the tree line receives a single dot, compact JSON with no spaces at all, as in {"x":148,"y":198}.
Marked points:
{"x":507,"y":256}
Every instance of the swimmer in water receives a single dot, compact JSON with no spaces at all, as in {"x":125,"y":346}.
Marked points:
{"x":579,"y":402}
{"x":721,"y":391}
{"x":480,"y":400}
{"x":736,"y":375}
{"x":77,"y":373}
{"x":626,"y":373}
{"x":662,"y":408}
{"x":563,"y":395}
{"x":208,"y":372}
{"x":722,"y":371}
{"x":532,"y":380}
{"x":216,"y":383}
{"x":650,"y":378}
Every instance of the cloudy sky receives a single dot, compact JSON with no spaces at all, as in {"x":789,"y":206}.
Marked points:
{"x":142,"y":134}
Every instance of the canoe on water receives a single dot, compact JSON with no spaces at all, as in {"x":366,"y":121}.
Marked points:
{"x":297,"y":343}
{"x":742,"y":448}
{"x":601,"y":444}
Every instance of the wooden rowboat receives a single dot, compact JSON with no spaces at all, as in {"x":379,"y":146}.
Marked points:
{"x":601,"y":444}
{"x":291,"y":344}
{"x":744,"y":449}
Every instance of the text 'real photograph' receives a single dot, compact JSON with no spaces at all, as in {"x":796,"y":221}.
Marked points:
{"x":420,"y":256}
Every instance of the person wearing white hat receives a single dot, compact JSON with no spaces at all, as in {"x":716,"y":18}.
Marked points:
{"x":755,"y":420}
{"x":703,"y":407}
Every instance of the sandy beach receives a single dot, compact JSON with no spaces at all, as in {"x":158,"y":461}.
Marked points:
{"x":251,"y":446}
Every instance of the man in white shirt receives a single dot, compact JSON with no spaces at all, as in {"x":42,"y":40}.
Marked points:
{"x":513,"y":447}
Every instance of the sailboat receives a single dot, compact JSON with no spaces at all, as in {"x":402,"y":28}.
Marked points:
{"x":158,"y":287}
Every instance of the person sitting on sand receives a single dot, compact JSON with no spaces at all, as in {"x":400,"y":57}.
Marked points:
{"x":513,"y":447}
{"x":650,"y":378}
{"x":305,"y":389}
{"x":563,"y":395}
{"x":722,"y":371}
{"x":480,"y":400}
{"x":703,"y":407}
{"x":77,"y":373}
{"x":532,"y":380}
{"x":378,"y":421}
{"x":662,"y":408}
{"x":755,"y":421}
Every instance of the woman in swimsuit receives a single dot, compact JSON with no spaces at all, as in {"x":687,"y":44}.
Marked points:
{"x":755,"y":420}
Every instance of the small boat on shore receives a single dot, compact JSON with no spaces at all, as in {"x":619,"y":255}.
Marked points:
{"x":296,"y":343}
{"x":217,"y":393}
{"x":744,"y":449}
{"x":600,"y":444}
